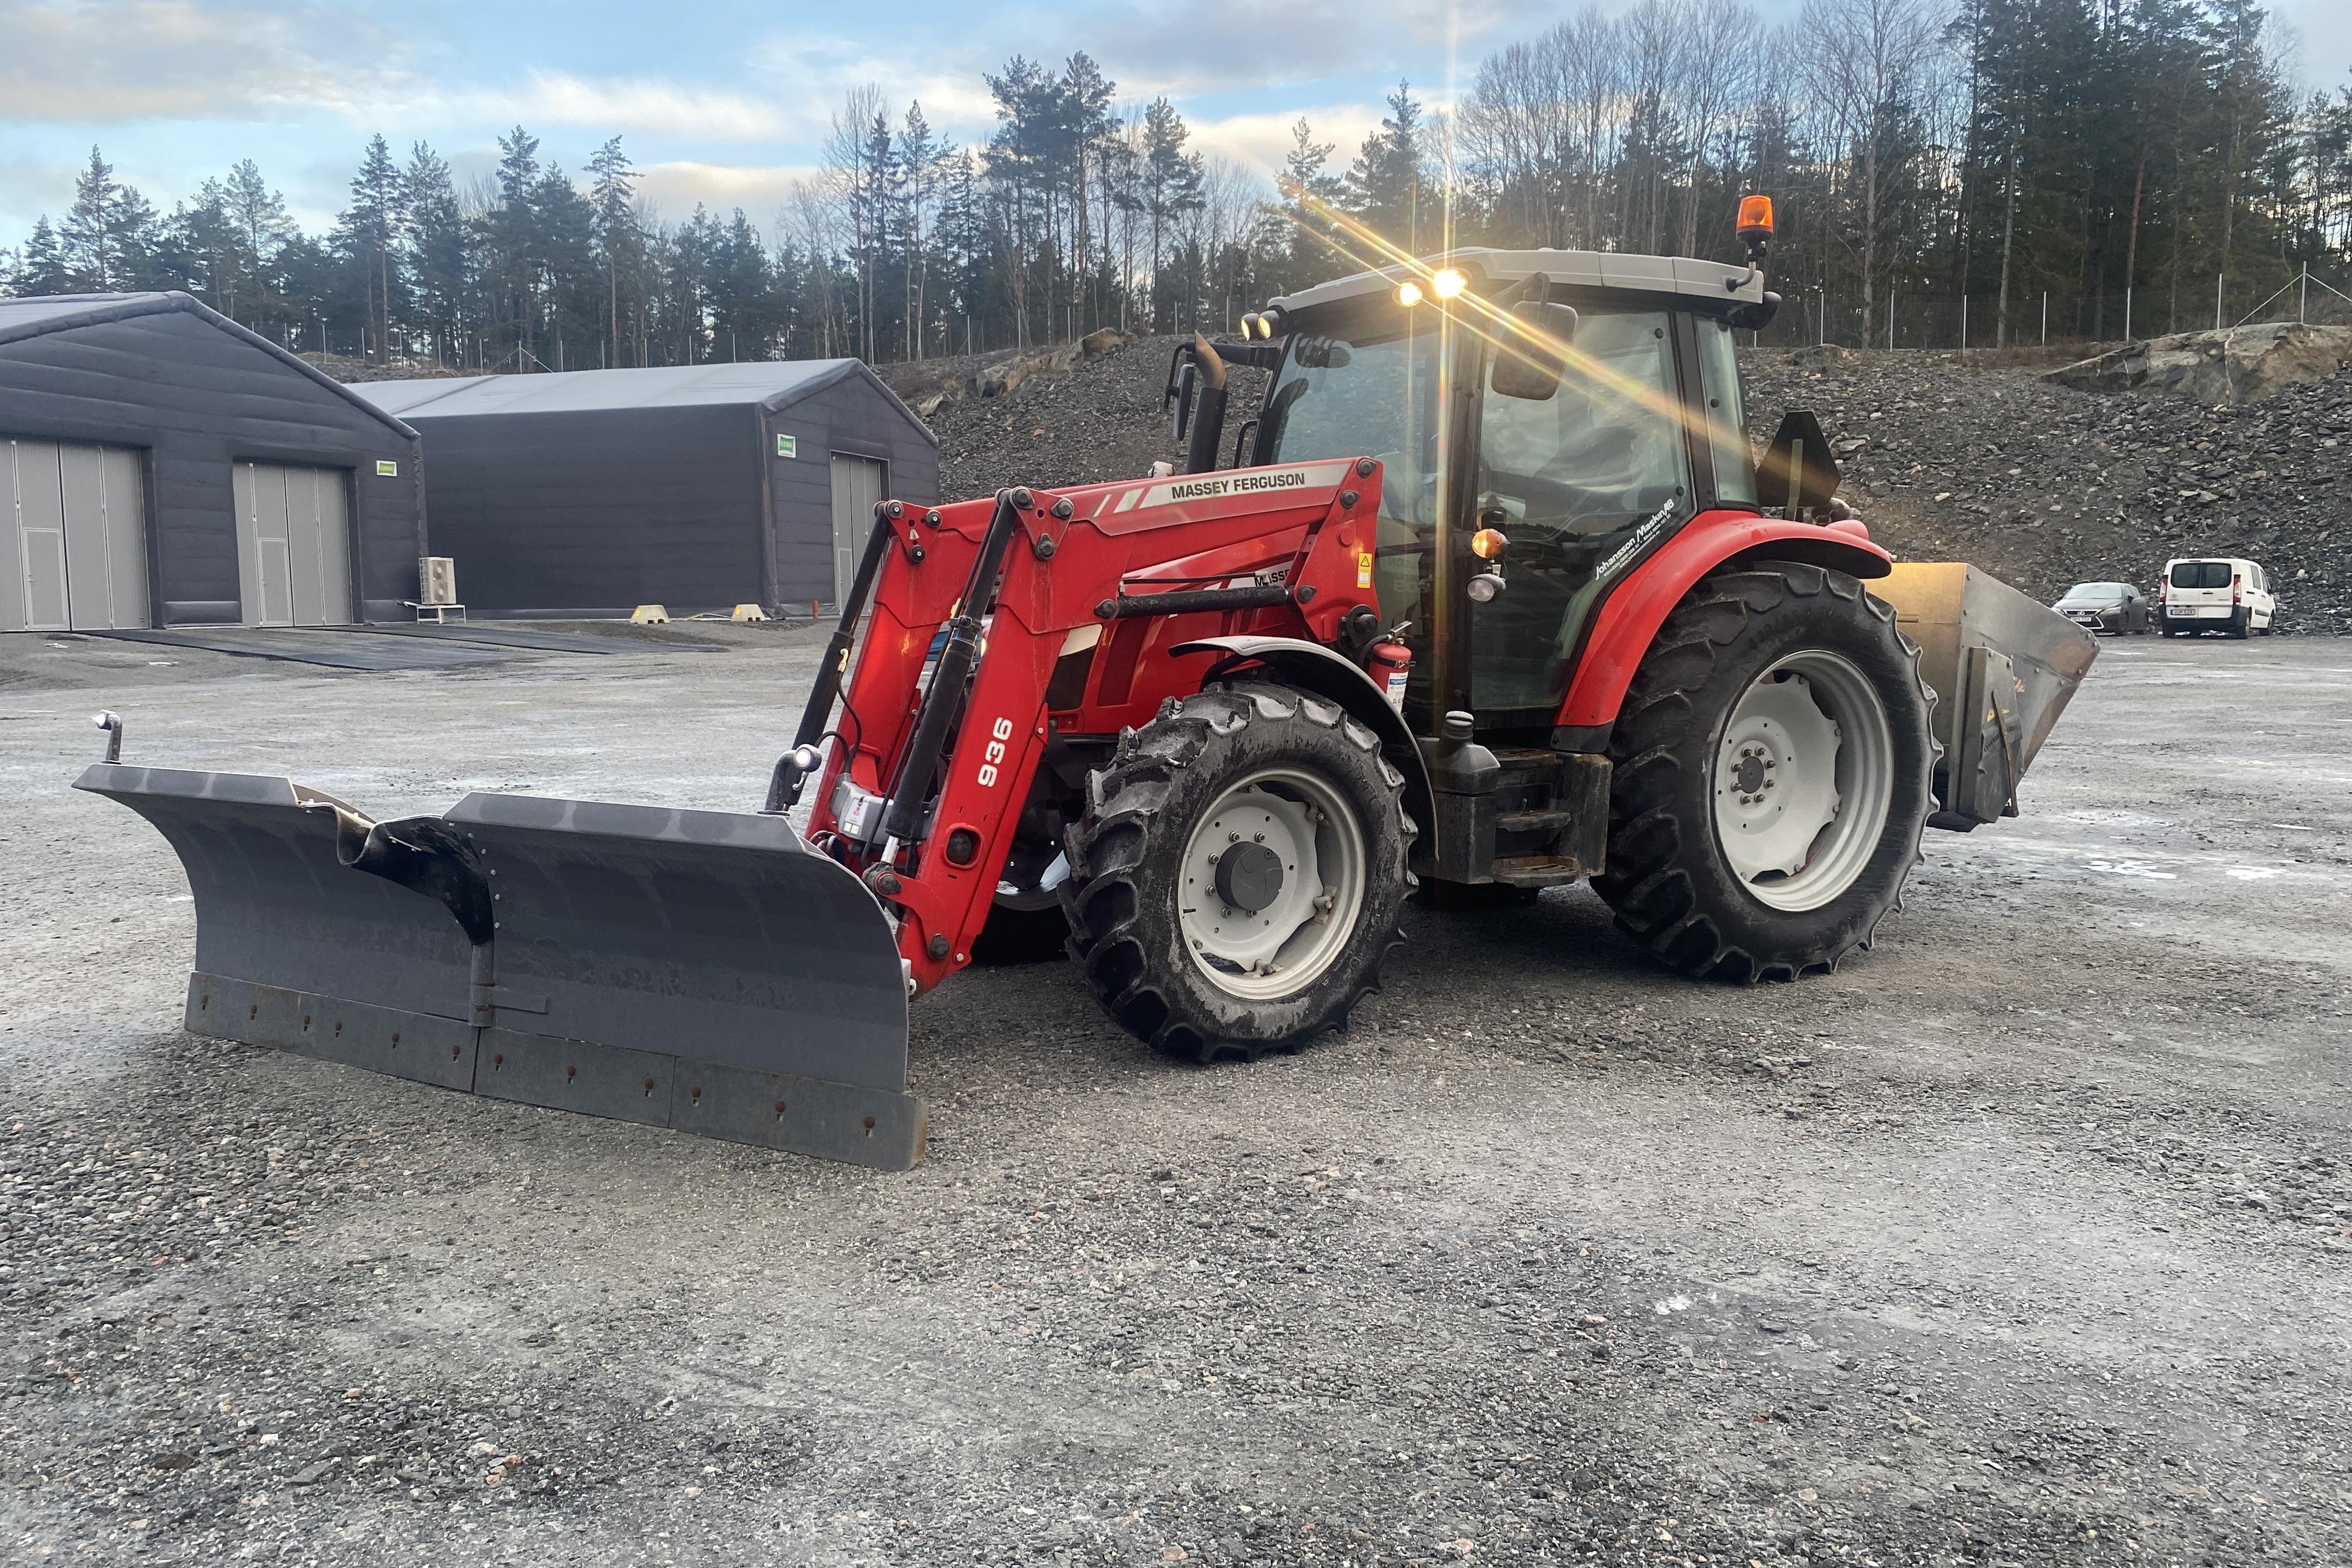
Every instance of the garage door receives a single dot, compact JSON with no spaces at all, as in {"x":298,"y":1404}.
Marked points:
{"x":293,"y":546}
{"x":77,"y":537}
{"x":856,"y":491}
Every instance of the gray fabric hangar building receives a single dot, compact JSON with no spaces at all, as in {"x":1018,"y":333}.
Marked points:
{"x":585,"y":493}
{"x":162,"y":465}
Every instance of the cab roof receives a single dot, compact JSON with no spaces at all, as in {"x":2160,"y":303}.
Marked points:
{"x":1713,"y":282}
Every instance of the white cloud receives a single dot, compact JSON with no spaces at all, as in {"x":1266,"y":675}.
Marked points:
{"x":651,"y":106}
{"x":1259,"y":142}
{"x":1195,"y":47}
{"x":810,"y":73}
{"x":70,"y":61}
{"x":674,"y":189}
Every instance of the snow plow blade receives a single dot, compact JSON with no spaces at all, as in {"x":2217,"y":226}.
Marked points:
{"x":2002,"y":668}
{"x":699,"y":969}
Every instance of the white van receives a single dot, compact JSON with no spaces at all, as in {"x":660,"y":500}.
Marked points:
{"x":2214,"y":593}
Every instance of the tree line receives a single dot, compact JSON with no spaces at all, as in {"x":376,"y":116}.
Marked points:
{"x":1996,"y":150}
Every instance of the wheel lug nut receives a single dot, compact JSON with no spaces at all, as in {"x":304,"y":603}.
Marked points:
{"x":1257,"y":837}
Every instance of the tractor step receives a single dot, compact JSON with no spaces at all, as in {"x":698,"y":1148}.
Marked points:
{"x":1527,"y":767}
{"x":1537,"y":870}
{"x":1545,"y":823}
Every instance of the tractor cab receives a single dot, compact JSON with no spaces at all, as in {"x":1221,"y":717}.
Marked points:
{"x":1546,"y":420}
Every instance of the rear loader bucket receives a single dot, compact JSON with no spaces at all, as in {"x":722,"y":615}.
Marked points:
{"x":2002,"y":668}
{"x":698,"y":969}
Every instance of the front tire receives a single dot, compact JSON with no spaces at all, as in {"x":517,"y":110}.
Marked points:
{"x":1773,"y":771}
{"x":1236,"y":879}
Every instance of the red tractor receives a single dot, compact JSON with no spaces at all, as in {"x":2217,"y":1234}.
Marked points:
{"x":1495,"y":596}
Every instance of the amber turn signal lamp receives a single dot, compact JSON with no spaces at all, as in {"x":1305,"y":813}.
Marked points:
{"x":1755,"y":218}
{"x":1489,"y":544}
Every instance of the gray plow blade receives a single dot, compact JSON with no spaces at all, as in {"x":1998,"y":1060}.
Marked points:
{"x":698,"y":969}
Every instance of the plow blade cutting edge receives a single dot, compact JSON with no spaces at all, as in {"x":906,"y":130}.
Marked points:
{"x":699,"y":969}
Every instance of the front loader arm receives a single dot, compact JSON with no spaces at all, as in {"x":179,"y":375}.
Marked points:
{"x":922,"y":791}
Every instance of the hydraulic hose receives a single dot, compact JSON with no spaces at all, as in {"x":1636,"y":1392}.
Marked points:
{"x":943,"y":697}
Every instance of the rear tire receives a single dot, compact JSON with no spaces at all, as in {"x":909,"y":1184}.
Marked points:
{"x":2241,"y":624}
{"x":1162,"y":948}
{"x":1721,"y":667}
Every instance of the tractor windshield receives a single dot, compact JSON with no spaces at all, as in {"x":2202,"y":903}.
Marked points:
{"x":1377,"y":394}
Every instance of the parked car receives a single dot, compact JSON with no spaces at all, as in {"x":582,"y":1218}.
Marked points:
{"x":2215,"y":594}
{"x":2114,"y":608}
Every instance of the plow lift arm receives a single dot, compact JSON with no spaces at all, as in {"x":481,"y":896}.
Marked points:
{"x":721,"y":973}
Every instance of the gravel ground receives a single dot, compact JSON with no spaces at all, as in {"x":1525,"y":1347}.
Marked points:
{"x":2023,"y":1238}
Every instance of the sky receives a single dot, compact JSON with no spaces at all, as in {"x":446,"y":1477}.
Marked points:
{"x":717,"y":101}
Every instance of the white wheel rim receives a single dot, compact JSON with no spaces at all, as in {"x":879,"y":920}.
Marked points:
{"x":1278,"y":949}
{"x":1803,"y":780}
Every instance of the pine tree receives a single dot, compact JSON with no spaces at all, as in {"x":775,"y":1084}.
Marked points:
{"x":370,"y":226}
{"x":439,"y":258}
{"x":614,"y":197}
{"x":1383,"y":185}
{"x":44,"y":266}
{"x":1171,"y":190}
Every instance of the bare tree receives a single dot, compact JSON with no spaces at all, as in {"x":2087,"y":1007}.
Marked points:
{"x":1861,"y":63}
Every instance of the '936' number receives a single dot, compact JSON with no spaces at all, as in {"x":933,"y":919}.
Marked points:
{"x":999,"y":733}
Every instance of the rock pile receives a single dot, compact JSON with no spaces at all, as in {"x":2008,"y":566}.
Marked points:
{"x":2046,"y":485}
{"x":2244,"y":364}
{"x":1097,"y":418}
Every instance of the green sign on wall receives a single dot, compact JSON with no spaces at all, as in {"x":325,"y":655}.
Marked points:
{"x":386,"y":468}
{"x":787,"y":447}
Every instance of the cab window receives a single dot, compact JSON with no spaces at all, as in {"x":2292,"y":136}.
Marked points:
{"x":1571,"y":481}
{"x":1726,"y":416}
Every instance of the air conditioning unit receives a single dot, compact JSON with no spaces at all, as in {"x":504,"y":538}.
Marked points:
{"x":436,"y":580}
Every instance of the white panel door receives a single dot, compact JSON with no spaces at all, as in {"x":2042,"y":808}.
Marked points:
{"x":294,"y":545}
{"x":265,"y":571}
{"x":319,"y":546}
{"x":36,"y":539}
{"x":76,"y":537}
{"x":857,"y":484}
{"x":106,"y":537}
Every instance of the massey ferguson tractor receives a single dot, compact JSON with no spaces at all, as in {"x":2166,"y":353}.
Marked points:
{"x":1494,"y":595}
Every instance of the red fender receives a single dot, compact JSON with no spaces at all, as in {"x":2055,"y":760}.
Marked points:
{"x":1629,"y":621}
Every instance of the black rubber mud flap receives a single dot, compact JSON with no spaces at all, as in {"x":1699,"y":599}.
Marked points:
{"x":697,"y":970}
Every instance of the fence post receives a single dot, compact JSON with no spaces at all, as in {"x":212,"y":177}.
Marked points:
{"x":2127,"y":312}
{"x":2045,"y":318}
{"x":1891,"y":297}
{"x":1964,"y":324}
{"x":2303,"y":295}
{"x":2216,"y":299}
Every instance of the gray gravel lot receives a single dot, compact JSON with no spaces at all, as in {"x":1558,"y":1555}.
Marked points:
{"x":2024,"y":1238}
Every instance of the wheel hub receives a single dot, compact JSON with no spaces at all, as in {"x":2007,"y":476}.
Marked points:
{"x":1249,"y":876}
{"x":1801,"y":780}
{"x":1274,"y":872}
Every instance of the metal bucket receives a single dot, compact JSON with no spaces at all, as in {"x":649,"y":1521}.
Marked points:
{"x":700,"y":970}
{"x":2002,"y":668}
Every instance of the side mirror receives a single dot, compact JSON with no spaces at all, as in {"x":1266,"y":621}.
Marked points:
{"x":1798,"y":473}
{"x":1181,"y":394}
{"x":1529,"y":361}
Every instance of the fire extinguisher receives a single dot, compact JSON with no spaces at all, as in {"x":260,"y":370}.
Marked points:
{"x":1389,"y":664}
